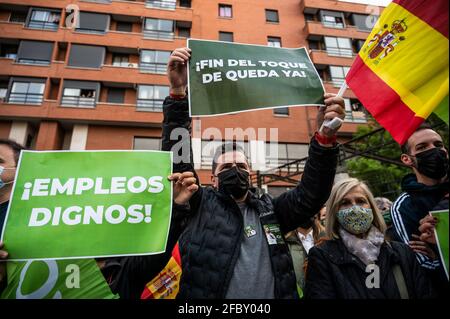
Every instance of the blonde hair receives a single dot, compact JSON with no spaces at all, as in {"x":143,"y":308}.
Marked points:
{"x":338,"y":192}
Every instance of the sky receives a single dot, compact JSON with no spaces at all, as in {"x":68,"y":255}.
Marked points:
{"x":383,"y":3}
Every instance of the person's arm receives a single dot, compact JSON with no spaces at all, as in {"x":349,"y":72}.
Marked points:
{"x":298,"y":205}
{"x":318,"y":278}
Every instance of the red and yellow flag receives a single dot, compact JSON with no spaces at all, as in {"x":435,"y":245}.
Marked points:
{"x":401,"y":73}
{"x":167,"y":283}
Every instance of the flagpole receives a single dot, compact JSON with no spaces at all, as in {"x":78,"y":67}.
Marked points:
{"x":342,"y":89}
{"x":336,"y":122}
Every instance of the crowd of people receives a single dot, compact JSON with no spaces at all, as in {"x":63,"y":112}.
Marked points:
{"x":319,"y":240}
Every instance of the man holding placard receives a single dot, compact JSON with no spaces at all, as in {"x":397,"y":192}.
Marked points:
{"x":224,"y":250}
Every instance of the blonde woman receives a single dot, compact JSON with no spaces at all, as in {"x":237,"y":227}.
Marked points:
{"x":357,"y":261}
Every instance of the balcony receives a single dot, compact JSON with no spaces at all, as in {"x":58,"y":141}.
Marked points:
{"x":58,"y":69}
{"x":78,"y":101}
{"x":125,"y":114}
{"x":313,"y":28}
{"x":111,"y":38}
{"x":26,"y":98}
{"x":161,"y":4}
{"x":150,"y":105}
{"x":328,"y":58}
{"x":311,"y":5}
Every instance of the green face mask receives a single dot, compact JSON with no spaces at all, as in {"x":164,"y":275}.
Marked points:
{"x":356,"y":219}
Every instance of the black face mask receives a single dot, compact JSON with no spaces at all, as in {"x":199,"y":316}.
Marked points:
{"x":432,"y":163}
{"x":234,"y":182}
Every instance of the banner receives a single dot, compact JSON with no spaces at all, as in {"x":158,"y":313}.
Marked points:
{"x":85,"y":204}
{"x":226,"y":77}
{"x":56,"y":279}
{"x":441,"y":234}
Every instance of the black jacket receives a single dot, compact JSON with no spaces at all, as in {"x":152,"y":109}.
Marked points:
{"x":334,"y":273}
{"x":210,"y":244}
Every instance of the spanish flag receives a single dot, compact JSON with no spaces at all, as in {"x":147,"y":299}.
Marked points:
{"x":401,"y":73}
{"x":167,"y":283}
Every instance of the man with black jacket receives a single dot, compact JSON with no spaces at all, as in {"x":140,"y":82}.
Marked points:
{"x":425,"y":190}
{"x":224,"y":250}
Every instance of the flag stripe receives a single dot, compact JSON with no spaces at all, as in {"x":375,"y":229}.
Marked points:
{"x":382,"y":101}
{"x":435,"y":14}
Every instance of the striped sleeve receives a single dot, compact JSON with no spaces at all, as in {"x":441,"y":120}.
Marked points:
{"x":404,"y":233}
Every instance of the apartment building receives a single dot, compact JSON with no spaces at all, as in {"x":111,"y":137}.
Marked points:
{"x":90,"y":74}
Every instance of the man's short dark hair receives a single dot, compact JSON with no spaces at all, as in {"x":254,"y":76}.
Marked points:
{"x":225,"y":148}
{"x":14,"y":146}
{"x":405,"y":147}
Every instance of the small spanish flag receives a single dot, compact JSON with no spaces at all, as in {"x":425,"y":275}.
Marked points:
{"x":167,"y":283}
{"x":401,"y":73}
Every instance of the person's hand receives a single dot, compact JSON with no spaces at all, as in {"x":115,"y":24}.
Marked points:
{"x":334,"y":107}
{"x":177,"y":70}
{"x":426,"y":228}
{"x":3,"y":257}
{"x":184,"y":187}
{"x":419,"y":246}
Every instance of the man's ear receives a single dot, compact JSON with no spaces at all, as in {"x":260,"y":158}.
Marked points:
{"x":214,"y":181}
{"x":407,"y":160}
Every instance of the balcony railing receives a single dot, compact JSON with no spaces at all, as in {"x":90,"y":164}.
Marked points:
{"x":43,"y":25}
{"x":158,"y":35}
{"x":150,"y":105}
{"x":78,"y":101}
{"x":355,"y":117}
{"x":151,"y":67}
{"x":161,"y":4}
{"x":26,"y":98}
{"x":347,"y":53}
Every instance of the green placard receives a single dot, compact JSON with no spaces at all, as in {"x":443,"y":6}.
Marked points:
{"x":56,"y":279}
{"x":441,"y":234}
{"x":226,"y":77}
{"x":81,"y":204}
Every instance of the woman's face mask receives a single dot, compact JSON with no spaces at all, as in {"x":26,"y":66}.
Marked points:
{"x":356,"y":219}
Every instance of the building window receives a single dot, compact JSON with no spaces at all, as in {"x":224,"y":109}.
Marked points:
{"x":354,"y":111}
{"x":159,"y":29}
{"x":184,"y":32}
{"x":8,"y":51}
{"x":116,"y":95}
{"x":3,"y":91}
{"x":24,"y":92}
{"x":338,"y":74}
{"x":338,"y":46}
{"x":44,"y":19}
{"x":35,"y":52}
{"x":124,"y":26}
{"x":18,"y":16}
{"x":93,"y":22}
{"x":225,"y":11}
{"x":147,"y":143}
{"x":309,"y":17}
{"x":185,"y":3}
{"x":314,"y":44}
{"x":332,"y":19}
{"x":121,"y":60}
{"x":226,"y":36}
{"x":87,"y":56}
{"x":272,"y":16}
{"x":161,"y":4}
{"x":151,"y":97}
{"x":358,"y":44}
{"x":281,"y":111}
{"x":278,"y":154}
{"x":363,"y":22}
{"x":78,"y":97}
{"x":154,"y":61}
{"x":274,"y":42}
